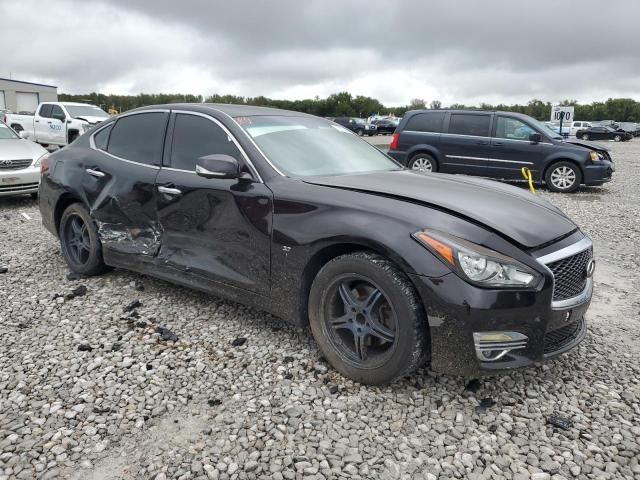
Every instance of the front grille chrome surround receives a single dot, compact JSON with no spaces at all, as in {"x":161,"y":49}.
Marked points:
{"x":17,"y":164}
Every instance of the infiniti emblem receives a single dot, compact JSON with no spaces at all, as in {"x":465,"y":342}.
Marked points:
{"x":591,"y":267}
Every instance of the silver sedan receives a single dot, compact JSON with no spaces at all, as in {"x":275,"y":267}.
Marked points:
{"x":19,"y":163}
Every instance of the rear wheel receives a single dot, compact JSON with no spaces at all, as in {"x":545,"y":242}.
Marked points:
{"x":367,"y":318}
{"x":618,"y":138}
{"x":81,"y":246}
{"x":585,"y":136}
{"x":563,"y":177}
{"x":423,"y":162}
{"x":360,"y":132}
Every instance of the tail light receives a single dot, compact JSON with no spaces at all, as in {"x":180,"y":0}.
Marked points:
{"x":44,"y":165}
{"x":394,"y":141}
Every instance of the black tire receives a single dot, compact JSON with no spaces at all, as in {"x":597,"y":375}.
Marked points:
{"x":617,"y":138}
{"x":558,"y":177}
{"x":585,"y":136}
{"x":392,"y":327}
{"x":423,"y":162}
{"x":360,"y":132}
{"x":79,"y":241}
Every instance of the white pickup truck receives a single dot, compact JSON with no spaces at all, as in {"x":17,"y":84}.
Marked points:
{"x":56,"y":123}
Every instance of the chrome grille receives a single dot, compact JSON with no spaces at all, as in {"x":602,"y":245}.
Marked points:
{"x":15,"y":164}
{"x":570,"y":274}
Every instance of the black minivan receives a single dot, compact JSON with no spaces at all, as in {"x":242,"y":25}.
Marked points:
{"x":497,"y":145}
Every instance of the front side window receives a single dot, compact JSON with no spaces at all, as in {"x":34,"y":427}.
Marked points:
{"x":513,"y":129}
{"x":57,"y":112}
{"x":464,"y":124}
{"x":195,"y":137}
{"x":306,"y":146}
{"x":139,"y":137}
{"x":45,"y":111}
{"x":426,"y":122}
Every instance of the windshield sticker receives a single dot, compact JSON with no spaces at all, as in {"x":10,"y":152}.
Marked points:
{"x":243,"y":121}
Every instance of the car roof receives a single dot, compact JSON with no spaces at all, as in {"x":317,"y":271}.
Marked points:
{"x":232,"y":110}
{"x":513,"y":114}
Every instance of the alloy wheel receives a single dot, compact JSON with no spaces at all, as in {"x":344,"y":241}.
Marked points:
{"x":563,"y":177}
{"x":360,"y":321}
{"x":617,"y":138}
{"x":77,"y":240}
{"x":422,"y":164}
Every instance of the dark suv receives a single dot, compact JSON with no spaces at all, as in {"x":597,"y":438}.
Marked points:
{"x":497,"y":145}
{"x":357,"y":125}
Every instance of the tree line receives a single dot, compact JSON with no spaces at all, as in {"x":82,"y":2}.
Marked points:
{"x":348,"y":105}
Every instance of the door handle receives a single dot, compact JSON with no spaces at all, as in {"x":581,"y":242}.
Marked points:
{"x":37,"y":121}
{"x":169,"y":190}
{"x":483,"y":142}
{"x":95,"y":172}
{"x":498,"y":144}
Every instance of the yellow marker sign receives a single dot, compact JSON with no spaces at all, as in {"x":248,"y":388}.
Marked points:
{"x":526,"y":173}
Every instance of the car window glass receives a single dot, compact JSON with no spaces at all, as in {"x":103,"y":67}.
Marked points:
{"x":513,"y":129}
{"x":45,"y":111}
{"x":139,"y":138}
{"x":100,"y":138}
{"x":195,"y":137}
{"x":463,"y":124}
{"x":56,"y":111}
{"x":425,"y":122}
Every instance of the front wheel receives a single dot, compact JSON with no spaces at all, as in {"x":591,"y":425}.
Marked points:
{"x":423,"y":162}
{"x":367,"y":318}
{"x":563,"y":177}
{"x":81,"y":246}
{"x":360,"y":132}
{"x":585,"y":136}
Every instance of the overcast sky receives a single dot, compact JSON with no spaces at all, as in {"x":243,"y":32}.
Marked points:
{"x":457,"y":51}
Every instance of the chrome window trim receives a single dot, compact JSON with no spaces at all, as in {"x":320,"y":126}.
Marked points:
{"x":467,"y":136}
{"x":420,"y":131}
{"x":264,"y":155}
{"x":229,"y":134}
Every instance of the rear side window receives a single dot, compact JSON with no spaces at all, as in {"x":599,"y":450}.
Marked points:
{"x":195,"y":137}
{"x":463,"y":124}
{"x":45,"y":111}
{"x":139,"y":138}
{"x":426,"y":122}
{"x":101,"y":138}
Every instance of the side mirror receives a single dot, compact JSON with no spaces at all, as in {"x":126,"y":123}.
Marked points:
{"x":62,"y":118}
{"x":535,"y":137}
{"x":217,"y":166}
{"x":23,"y":134}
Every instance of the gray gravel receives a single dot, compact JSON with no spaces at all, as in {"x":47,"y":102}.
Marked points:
{"x":89,"y":391}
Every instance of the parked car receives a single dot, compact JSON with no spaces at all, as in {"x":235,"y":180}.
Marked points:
{"x":563,"y":131}
{"x":575,"y":126}
{"x":630,"y":127}
{"x":57,"y":123}
{"x":497,"y":145}
{"x":357,"y":125}
{"x":295,"y":215}
{"x":19,"y":163}
{"x":604,"y":133}
{"x":385,"y":126}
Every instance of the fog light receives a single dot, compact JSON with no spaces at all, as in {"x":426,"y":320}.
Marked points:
{"x":492,"y":346}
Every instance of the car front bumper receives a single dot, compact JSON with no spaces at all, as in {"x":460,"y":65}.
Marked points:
{"x":599,"y":172}
{"x":469,"y":325}
{"x":18,"y":182}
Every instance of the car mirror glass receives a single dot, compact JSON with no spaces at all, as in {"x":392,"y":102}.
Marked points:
{"x":217,"y":166}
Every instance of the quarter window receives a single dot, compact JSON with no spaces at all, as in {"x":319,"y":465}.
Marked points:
{"x":195,"y":137}
{"x":139,"y":137}
{"x":513,"y":129}
{"x":426,"y":122}
{"x":100,"y":139}
{"x":463,"y":124}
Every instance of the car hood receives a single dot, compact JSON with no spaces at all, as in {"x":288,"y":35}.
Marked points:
{"x":20,"y":149}
{"x":589,"y":145}
{"x":510,"y":211}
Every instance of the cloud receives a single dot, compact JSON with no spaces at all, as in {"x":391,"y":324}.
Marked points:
{"x":459,"y":52}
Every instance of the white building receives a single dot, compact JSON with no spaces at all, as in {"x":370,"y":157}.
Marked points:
{"x":20,"y":96}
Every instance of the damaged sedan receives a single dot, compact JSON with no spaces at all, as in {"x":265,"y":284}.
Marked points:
{"x":391,"y":269}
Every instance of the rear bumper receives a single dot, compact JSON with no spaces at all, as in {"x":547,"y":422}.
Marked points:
{"x":398,"y":156}
{"x":18,"y":182}
{"x":463,"y":318}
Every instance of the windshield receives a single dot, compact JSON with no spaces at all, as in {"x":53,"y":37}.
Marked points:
{"x":306,"y":146}
{"x":545,"y":129}
{"x":85,"y":111}
{"x":6,"y":133}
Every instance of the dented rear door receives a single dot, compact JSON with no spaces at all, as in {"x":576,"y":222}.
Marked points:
{"x":119,"y":184}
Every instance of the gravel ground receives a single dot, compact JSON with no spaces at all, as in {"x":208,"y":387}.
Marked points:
{"x":95,"y":386}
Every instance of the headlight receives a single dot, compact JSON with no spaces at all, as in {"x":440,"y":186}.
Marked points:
{"x":38,"y":161}
{"x":477,"y":264}
{"x":596,"y":155}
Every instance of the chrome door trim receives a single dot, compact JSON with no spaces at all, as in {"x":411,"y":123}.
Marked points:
{"x":463,"y":157}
